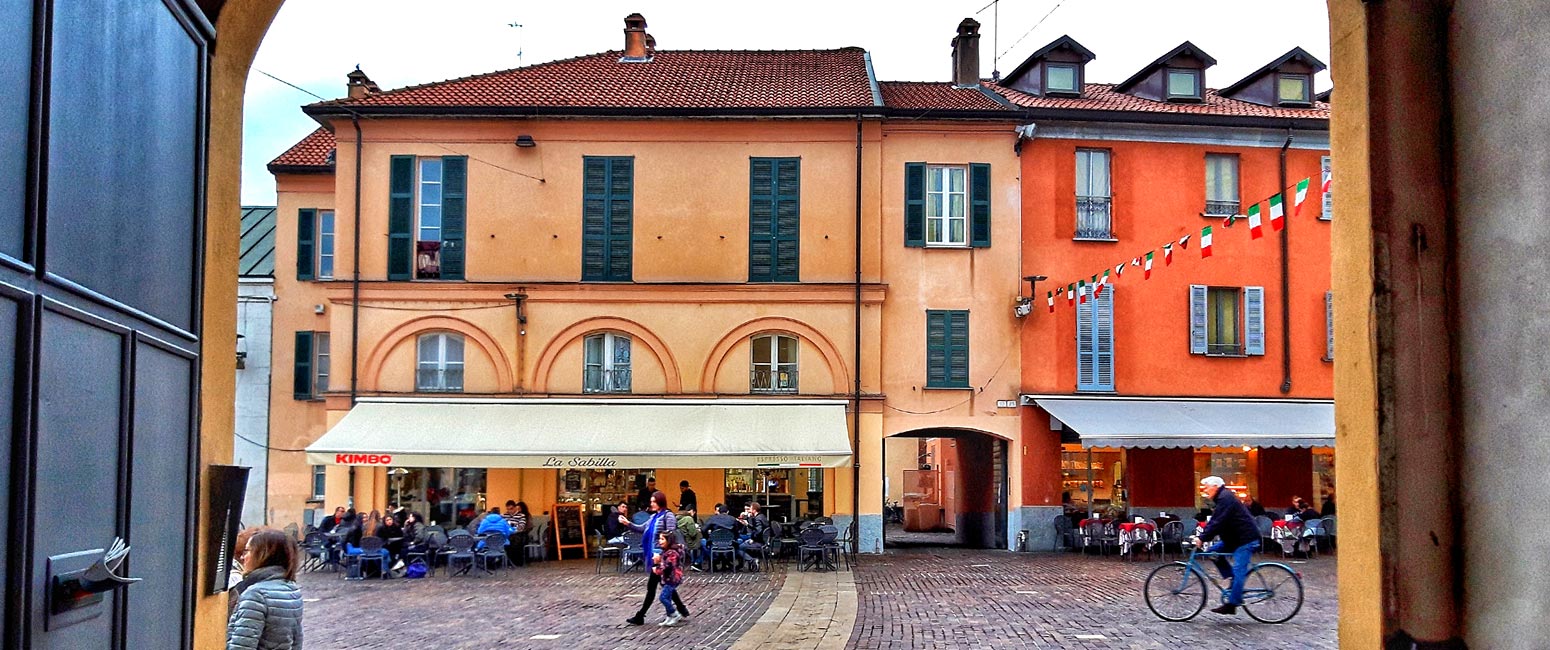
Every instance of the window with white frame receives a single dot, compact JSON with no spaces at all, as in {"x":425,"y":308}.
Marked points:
{"x":320,"y":363}
{"x":428,"y":231}
{"x":325,"y":244}
{"x":1093,"y":203}
{"x":947,"y":198}
{"x":440,"y":363}
{"x":774,"y":364}
{"x":1221,"y":184}
{"x":319,"y":481}
{"x":607,"y":363}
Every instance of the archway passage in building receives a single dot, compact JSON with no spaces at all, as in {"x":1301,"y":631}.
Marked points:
{"x":945,"y":487}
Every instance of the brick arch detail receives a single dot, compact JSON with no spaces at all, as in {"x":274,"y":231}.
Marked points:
{"x":412,"y":329}
{"x":659,"y":349}
{"x":946,"y":432}
{"x":775,"y":325}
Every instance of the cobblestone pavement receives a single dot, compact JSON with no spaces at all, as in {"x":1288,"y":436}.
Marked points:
{"x":518,"y":607}
{"x":948,"y":598}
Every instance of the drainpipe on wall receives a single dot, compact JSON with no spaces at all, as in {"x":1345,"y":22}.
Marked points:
{"x":1286,"y":282}
{"x":855,"y":396}
{"x":355,"y":287}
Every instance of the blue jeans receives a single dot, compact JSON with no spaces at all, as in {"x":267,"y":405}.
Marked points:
{"x":1242,"y":558}
{"x":667,"y":597}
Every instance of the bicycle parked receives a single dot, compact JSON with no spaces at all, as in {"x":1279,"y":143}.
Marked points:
{"x":1272,"y":592}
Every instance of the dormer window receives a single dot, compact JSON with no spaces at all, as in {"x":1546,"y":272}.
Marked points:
{"x":1061,"y":78}
{"x":1183,"y":84}
{"x":1293,"y":89}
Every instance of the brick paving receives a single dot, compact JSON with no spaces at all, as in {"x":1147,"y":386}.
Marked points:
{"x":948,"y":598}
{"x":567,"y":599}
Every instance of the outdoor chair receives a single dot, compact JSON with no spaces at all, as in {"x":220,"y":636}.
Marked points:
{"x":432,"y":547}
{"x":722,"y":544}
{"x":534,"y":549}
{"x":370,"y":552}
{"x":1263,"y":524}
{"x":1329,"y":531}
{"x":832,"y":542}
{"x":1098,"y":534}
{"x":631,"y":556}
{"x":605,"y":550}
{"x":493,"y":550}
{"x":1171,"y":533}
{"x":813,"y":546}
{"x":847,"y":542}
{"x":315,"y":545}
{"x":781,"y":543}
{"x":1065,"y":538}
{"x":460,"y":548}
{"x":1313,"y":533}
{"x":436,"y":529}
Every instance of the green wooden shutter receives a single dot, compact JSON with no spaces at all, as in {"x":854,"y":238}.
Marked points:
{"x":454,"y":216}
{"x":788,"y":227}
{"x":594,"y":218}
{"x":401,"y":219}
{"x":936,"y":349}
{"x":306,"y":244}
{"x":915,"y":205}
{"x":958,"y":349}
{"x":979,"y":205}
{"x":761,"y":220}
{"x":302,"y":379}
{"x":621,"y":218}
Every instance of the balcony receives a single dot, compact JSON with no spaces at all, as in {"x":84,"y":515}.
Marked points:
{"x":1221,"y":208}
{"x":606,"y":380}
{"x":427,"y":260}
{"x":1093,"y":217}
{"x":766,"y":380}
{"x":438,"y":380}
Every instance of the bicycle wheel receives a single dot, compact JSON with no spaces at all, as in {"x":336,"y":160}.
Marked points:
{"x":1175,"y":592}
{"x":1272,"y":593}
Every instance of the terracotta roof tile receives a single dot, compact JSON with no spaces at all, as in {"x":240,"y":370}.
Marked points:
{"x":312,"y":151}
{"x":938,"y":95}
{"x":696,"y":79}
{"x":1102,"y":97}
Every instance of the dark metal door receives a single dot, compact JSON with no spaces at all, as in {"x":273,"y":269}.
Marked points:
{"x":102,"y":140}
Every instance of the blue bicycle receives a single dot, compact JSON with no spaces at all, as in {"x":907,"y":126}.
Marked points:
{"x":1272,"y":592}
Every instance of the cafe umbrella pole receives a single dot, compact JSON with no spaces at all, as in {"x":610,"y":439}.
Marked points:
{"x":1091,"y":495}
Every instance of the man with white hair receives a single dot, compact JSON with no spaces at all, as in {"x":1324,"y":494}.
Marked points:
{"x":1231,"y":523}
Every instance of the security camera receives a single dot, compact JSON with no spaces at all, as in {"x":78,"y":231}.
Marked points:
{"x":1023,"y":308}
{"x":1026,"y":131}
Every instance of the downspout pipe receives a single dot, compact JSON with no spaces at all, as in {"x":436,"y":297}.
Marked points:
{"x":855,"y":395}
{"x":1286,"y":281}
{"x":355,"y":288}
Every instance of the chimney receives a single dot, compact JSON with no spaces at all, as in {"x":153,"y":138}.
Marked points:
{"x":635,"y":39}
{"x":966,"y":54}
{"x":359,"y":84}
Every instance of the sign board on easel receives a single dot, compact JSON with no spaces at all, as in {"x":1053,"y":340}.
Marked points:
{"x":569,"y":528}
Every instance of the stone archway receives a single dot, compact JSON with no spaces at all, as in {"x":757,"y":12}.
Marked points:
{"x":961,"y":500}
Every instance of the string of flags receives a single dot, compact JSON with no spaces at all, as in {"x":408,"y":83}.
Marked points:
{"x":1076,"y":293}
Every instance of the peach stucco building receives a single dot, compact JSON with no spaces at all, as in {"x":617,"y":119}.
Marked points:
{"x":579,"y":275}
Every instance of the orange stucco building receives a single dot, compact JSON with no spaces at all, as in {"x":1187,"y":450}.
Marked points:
{"x":696,"y":265}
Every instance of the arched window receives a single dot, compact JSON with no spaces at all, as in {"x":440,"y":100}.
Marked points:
{"x":774,"y":364}
{"x":607,"y":363}
{"x":440,"y":367}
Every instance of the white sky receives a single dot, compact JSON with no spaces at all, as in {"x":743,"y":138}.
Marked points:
{"x":314,"y":43}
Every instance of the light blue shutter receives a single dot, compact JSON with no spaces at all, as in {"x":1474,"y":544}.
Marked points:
{"x":1086,"y":355}
{"x":1197,"y":319}
{"x":1103,"y":340}
{"x":1254,"y":321}
{"x":1329,"y":197}
{"x":1329,"y":325}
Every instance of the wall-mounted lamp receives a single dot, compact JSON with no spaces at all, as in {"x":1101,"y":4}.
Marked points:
{"x":526,"y":141}
{"x":1025,"y":303}
{"x":520,"y":297}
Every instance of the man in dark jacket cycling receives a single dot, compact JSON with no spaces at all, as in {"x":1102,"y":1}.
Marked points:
{"x":1231,"y":523}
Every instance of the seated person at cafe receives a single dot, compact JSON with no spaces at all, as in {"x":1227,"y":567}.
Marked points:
{"x":1296,"y":507}
{"x":1307,"y":513}
{"x":723,"y":521}
{"x":332,"y":521}
{"x":612,"y":529}
{"x":392,"y":537}
{"x":493,"y":523}
{"x":693,"y":537}
{"x":1256,"y":509}
{"x":755,"y":527}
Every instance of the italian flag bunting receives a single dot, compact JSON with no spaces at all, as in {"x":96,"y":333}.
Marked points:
{"x":1135,"y":262}
{"x":1070,"y":295}
{"x":1167,"y":254}
{"x":1328,"y":176}
{"x":1255,"y":231}
{"x":1051,"y":296}
{"x":1184,"y":242}
{"x":1119,"y":269}
{"x":1205,"y":242}
{"x":1081,"y":292}
{"x":1147,"y":272}
{"x":1276,"y":212}
{"x":1097,"y":286}
{"x":1302,"y":193}
{"x":1100,"y":284}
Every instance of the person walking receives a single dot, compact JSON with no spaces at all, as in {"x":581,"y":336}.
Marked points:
{"x":268,"y":611}
{"x":661,"y":520}
{"x":1230,"y":522}
{"x":669,"y":566}
{"x":686,"y":497}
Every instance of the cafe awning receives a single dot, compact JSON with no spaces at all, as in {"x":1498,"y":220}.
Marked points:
{"x":1145,"y":422}
{"x":587,"y":433}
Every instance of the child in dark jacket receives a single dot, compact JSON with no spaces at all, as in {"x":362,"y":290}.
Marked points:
{"x":668,"y":563}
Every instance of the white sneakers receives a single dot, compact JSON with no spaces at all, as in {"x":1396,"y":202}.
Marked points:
{"x":671,"y":620}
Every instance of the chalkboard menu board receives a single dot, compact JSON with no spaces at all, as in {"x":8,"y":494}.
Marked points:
{"x":569,"y":531}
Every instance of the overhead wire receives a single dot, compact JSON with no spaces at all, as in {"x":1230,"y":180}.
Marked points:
{"x":1030,"y":30}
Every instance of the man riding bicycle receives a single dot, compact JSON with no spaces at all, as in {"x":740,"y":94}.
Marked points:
{"x":1231,"y":523}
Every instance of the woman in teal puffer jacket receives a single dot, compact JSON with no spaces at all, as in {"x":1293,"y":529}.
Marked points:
{"x":268,"y":611}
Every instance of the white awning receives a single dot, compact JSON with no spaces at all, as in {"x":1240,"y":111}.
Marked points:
{"x":587,"y":433}
{"x":1141,"y":422}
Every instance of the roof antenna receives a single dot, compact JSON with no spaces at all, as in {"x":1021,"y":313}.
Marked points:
{"x":995,"y":38}
{"x":519,"y":41}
